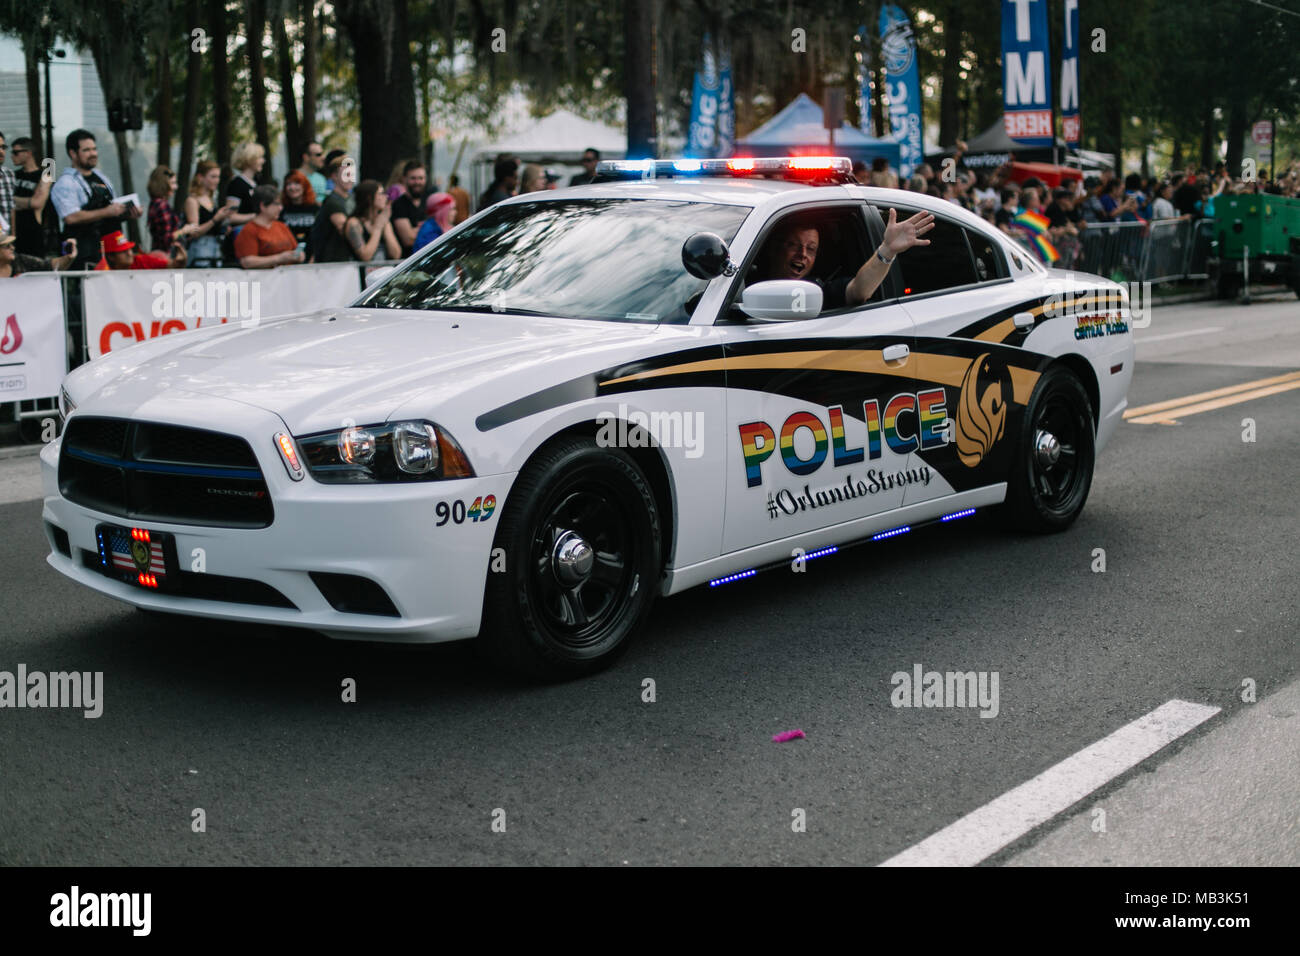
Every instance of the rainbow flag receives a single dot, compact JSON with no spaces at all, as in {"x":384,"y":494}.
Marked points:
{"x":1035,"y":223}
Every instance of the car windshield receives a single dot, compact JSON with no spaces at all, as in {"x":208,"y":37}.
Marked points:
{"x":611,"y":259}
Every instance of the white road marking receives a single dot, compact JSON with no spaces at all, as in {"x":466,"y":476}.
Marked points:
{"x":1176,"y":335}
{"x":983,"y":832}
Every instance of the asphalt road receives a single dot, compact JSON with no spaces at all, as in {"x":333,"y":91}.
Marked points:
{"x":1198,"y":528}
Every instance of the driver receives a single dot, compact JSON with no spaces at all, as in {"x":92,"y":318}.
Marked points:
{"x":791,"y":253}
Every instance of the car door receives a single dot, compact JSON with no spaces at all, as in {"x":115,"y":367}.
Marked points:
{"x":817,"y":430}
{"x":961,"y":296}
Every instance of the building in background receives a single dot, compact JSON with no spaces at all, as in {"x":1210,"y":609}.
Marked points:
{"x":78,"y":101}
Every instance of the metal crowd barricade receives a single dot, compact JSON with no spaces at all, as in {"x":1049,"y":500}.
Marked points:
{"x":1112,"y":249}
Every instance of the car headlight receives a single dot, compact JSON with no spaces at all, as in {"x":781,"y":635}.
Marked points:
{"x":390,"y":452}
{"x":66,"y":405}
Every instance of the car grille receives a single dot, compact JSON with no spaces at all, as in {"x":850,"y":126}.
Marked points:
{"x":148,"y":471}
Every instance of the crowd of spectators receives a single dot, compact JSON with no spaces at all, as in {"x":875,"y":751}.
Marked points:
{"x":1078,"y":201}
{"x":321,"y":213}
{"x":318,"y":213}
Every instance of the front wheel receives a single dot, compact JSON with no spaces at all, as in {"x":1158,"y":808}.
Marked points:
{"x":581,"y":536}
{"x":1052,"y":469}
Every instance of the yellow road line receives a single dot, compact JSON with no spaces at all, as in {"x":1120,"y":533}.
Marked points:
{"x":1165,"y":418}
{"x":1214,"y":393}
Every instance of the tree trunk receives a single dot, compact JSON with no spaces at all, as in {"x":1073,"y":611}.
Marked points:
{"x":220,"y":82}
{"x":1176,"y":158}
{"x":32,"y":63}
{"x":257,"y":82}
{"x":1209,"y":155}
{"x":639,"y":78}
{"x":164,"y":108}
{"x":948,"y":79}
{"x":190,"y":119}
{"x":288,"y":100}
{"x":385,"y":84}
{"x":307,"y":122}
{"x":1236,"y":137}
{"x":127,"y":185}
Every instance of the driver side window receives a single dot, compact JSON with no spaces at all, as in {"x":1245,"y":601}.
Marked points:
{"x":826,"y":245}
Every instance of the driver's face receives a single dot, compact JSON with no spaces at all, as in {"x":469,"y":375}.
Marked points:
{"x":793,"y":255}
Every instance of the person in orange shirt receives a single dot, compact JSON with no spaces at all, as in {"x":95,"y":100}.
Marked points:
{"x":265,"y":241}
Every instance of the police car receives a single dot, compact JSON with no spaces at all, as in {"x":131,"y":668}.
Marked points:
{"x":582,"y":399}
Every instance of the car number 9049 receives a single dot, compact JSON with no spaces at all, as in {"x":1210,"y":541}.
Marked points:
{"x":457,"y":512}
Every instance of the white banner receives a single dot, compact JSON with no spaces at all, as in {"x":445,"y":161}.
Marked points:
{"x":123,"y":308}
{"x":33,"y":349}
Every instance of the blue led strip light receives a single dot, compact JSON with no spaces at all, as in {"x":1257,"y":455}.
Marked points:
{"x":958,"y":514}
{"x":732,"y":577}
{"x":891,"y":533}
{"x":819,"y":553}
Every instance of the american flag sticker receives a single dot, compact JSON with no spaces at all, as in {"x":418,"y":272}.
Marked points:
{"x":133,"y":551}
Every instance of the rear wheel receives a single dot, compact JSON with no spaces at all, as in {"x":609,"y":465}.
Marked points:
{"x":1055,"y":454}
{"x":581,"y":537}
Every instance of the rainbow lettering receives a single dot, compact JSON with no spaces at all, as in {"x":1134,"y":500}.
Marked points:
{"x":905,"y":402}
{"x":842,"y":454}
{"x":757,"y":442}
{"x":933,"y":415}
{"x":797,"y":465}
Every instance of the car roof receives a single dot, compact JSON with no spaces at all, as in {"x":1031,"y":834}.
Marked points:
{"x":771,"y":194}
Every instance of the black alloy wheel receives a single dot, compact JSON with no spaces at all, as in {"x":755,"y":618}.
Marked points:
{"x":581,"y":536}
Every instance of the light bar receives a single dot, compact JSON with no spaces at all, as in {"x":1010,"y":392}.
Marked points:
{"x":820,"y":553}
{"x":819,"y":169}
{"x":893,"y":533}
{"x":958,"y":514}
{"x":732,"y":577}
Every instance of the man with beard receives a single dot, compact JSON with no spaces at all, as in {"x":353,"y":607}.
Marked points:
{"x":791,"y":253}
{"x":408,"y":209}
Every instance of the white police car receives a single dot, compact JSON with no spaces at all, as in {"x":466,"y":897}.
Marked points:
{"x":581,"y":399}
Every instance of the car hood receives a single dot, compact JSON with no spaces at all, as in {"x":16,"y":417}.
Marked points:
{"x":317,"y":370}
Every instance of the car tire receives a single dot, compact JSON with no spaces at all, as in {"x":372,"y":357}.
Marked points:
{"x":580,"y":533}
{"x":1051,"y":471}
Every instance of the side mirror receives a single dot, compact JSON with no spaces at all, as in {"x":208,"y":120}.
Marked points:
{"x":706,"y":256}
{"x":376,"y":276}
{"x":782,"y":300}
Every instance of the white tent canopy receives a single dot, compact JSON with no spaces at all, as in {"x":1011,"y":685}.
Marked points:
{"x":558,"y":138}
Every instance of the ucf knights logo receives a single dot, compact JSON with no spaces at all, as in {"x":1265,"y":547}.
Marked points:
{"x":982,"y":409}
{"x":140,"y":555}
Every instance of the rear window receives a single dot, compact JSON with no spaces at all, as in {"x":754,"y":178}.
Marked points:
{"x":609,"y":259}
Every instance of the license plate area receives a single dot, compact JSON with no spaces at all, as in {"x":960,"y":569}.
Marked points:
{"x":138,"y":556}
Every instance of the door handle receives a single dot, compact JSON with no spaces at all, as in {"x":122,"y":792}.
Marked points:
{"x":895,"y":353}
{"x":1023,"y":320}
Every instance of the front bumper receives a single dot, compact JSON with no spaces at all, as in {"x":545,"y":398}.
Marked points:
{"x":387,"y":533}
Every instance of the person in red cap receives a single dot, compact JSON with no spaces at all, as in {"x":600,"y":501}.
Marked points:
{"x":120,"y":253}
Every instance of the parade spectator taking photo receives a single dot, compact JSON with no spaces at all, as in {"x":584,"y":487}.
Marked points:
{"x":86,"y":201}
{"x":14,"y":263}
{"x":265,"y":241}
